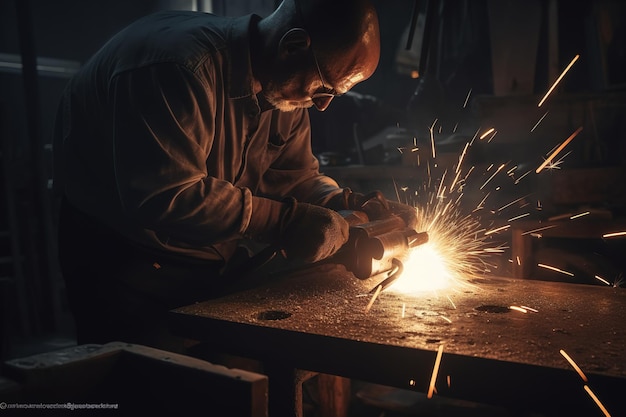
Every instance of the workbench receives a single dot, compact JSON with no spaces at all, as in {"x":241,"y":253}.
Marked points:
{"x":316,"y":319}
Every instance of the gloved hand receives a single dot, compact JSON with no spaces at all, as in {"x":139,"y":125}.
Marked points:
{"x":374,"y":204}
{"x":303,"y":231}
{"x":406,"y":212}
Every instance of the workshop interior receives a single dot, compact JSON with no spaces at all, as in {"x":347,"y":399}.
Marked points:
{"x":501,"y":121}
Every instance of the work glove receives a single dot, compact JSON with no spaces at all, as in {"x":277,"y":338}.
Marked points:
{"x":374,"y":204}
{"x":302,"y":231}
{"x":406,"y":212}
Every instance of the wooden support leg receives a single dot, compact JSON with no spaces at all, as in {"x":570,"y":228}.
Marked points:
{"x":334,"y":395}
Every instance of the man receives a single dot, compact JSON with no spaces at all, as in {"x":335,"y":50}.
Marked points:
{"x":187,"y":133}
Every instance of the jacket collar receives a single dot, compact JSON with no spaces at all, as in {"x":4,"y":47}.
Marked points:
{"x":242,"y":80}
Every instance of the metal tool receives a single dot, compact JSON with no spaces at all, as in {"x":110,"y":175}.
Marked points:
{"x":377,"y":247}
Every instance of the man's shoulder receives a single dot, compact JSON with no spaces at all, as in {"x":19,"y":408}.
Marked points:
{"x":183,"y":37}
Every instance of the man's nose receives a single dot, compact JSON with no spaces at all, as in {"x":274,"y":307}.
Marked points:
{"x":321,"y":103}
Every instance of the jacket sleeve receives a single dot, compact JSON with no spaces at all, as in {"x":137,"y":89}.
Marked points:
{"x":164,"y":124}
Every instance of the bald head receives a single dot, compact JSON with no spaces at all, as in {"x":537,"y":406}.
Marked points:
{"x":332,"y":44}
{"x":339,"y":25}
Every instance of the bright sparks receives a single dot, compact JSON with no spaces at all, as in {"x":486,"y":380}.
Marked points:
{"x":555,"y":269}
{"x":457,"y":249}
{"x":574,"y":365}
{"x":433,"y":378}
{"x":614,"y":234}
{"x":597,"y":401}
{"x":431,"y":265}
{"x":576,"y":216}
{"x":458,"y":246}
{"x":559,"y":149}
{"x":461,"y":244}
{"x":599,"y":278}
{"x":537,"y":124}
{"x":484,"y":135}
{"x":558,"y":80}
{"x":374,"y":297}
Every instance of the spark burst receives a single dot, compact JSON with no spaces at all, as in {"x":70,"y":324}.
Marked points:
{"x":459,"y":247}
{"x":462,"y":242}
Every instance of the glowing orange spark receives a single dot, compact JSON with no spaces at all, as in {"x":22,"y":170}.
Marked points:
{"x":439,"y":193}
{"x":530,"y":232}
{"x":492,"y":250}
{"x":430,"y":226}
{"x":553,"y":268}
{"x":456,"y":178}
{"x":448,"y":380}
{"x":484,"y":135}
{"x":597,"y":401}
{"x":451,"y":302}
{"x":376,"y":293}
{"x":467,"y":98}
{"x":474,"y":137}
{"x":432,"y":137}
{"x":458,"y":167}
{"x":490,"y":232}
{"x":576,"y":216}
{"x":493,"y":175}
{"x":537,"y":124}
{"x":513,"y":202}
{"x":433,"y":378}
{"x":530,"y":309}
{"x":559,"y":149}
{"x":520,"y":309}
{"x":614,"y":234}
{"x":574,"y":365}
{"x":520,"y":178}
{"x":481,"y":204}
{"x":602,"y":279}
{"x":446,"y":319}
{"x":558,"y":79}
{"x":556,"y":164}
{"x":512,"y":219}
{"x":403,"y":309}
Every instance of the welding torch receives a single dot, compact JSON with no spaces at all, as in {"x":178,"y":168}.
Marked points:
{"x":377,"y":247}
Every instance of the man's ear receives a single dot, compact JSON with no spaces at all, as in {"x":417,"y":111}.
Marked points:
{"x":293,"y":42}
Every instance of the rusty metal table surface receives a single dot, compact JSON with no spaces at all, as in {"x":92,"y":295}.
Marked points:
{"x":316,"y":319}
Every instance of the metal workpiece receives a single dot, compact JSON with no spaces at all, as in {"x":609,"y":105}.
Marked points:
{"x":502,"y":338}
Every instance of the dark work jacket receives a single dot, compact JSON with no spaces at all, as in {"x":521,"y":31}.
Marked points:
{"x":161,"y":137}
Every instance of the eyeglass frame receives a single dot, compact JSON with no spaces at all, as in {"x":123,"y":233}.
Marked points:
{"x":329,"y":92}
